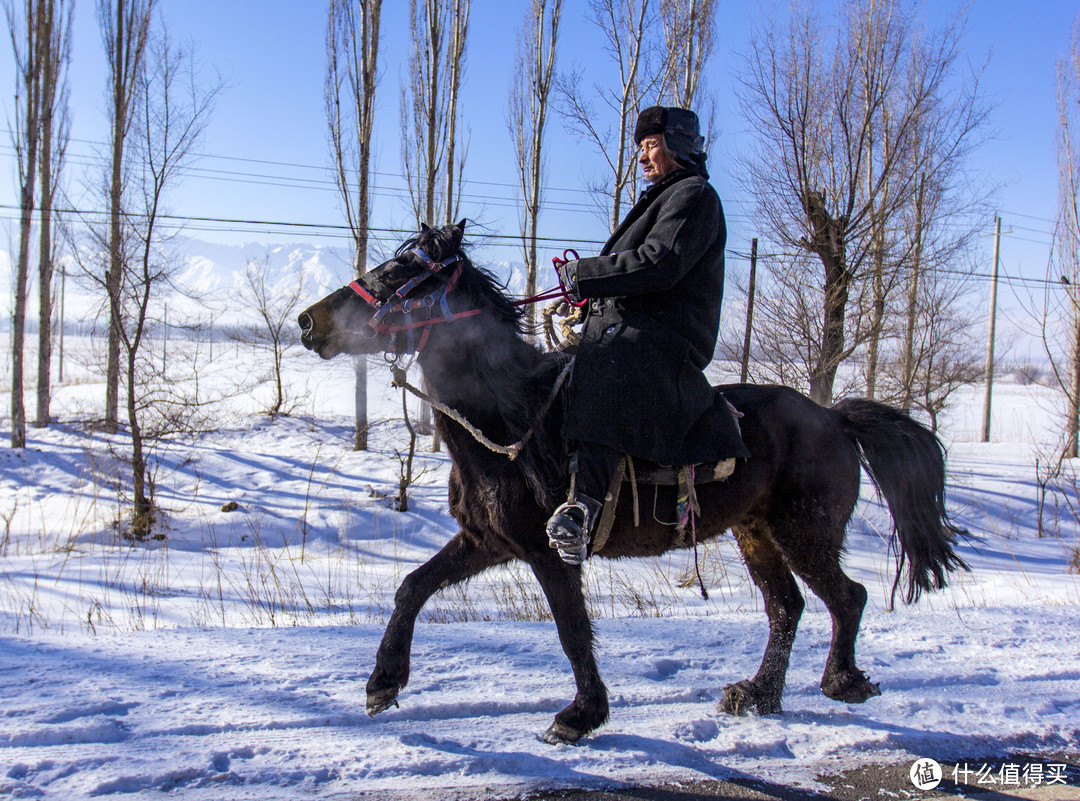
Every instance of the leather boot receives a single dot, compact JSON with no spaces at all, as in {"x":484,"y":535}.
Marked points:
{"x":570,"y":527}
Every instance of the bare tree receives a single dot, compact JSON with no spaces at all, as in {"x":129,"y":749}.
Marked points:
{"x":352,"y":47}
{"x":174,"y":110}
{"x":1064,"y":348}
{"x":124,"y":26}
{"x":26,"y":27}
{"x":935,"y":263}
{"x":455,"y":162}
{"x":932,"y":336}
{"x":429,"y":119}
{"x":429,"y":106}
{"x":945,"y":352}
{"x":688,"y":35}
{"x":530,"y":91}
{"x":630,"y":39}
{"x":274,"y":305}
{"x":788,"y":323}
{"x":936,"y":228}
{"x":881,"y":278}
{"x":55,"y":57}
{"x":827,"y":169}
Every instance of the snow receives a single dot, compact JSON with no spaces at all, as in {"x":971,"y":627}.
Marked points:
{"x":228,"y":661}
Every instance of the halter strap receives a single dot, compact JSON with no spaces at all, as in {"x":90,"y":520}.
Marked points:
{"x":408,"y":306}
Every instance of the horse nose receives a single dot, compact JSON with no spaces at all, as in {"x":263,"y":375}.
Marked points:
{"x":307,"y":325}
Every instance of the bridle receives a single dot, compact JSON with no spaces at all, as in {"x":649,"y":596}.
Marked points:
{"x":418,"y":313}
{"x":386,"y":301}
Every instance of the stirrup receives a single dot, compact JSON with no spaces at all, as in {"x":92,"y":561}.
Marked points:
{"x":569,"y":527}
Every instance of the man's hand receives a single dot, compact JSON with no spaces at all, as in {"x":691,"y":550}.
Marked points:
{"x":568,"y":279}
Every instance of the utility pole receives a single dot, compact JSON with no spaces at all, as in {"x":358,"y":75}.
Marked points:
{"x":990,"y":337}
{"x":749,"y":312}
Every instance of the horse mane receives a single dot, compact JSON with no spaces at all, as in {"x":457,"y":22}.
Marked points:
{"x":439,"y":244}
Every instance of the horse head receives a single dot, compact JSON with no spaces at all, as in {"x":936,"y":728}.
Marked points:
{"x":400,"y":298}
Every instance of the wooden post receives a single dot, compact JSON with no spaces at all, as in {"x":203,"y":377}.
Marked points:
{"x":749,"y":312}
{"x":990,"y":337}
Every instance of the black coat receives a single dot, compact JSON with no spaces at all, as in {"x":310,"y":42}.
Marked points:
{"x":656,"y":288}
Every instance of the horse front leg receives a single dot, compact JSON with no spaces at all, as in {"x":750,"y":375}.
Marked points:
{"x":459,"y":559}
{"x":562,"y":586}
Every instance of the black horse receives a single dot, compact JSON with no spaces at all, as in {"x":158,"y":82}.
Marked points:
{"x":788,"y":505}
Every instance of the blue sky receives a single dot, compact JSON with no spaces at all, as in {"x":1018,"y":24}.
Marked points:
{"x":266,"y":144}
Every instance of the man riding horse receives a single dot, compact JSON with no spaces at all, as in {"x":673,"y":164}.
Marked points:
{"x":638,"y":385}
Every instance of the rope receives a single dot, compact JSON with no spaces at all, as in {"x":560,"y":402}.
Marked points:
{"x":574,"y":316}
{"x":511,"y":451}
{"x":697,"y":569}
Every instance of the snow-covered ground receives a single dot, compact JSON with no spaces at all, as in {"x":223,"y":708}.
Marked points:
{"x":229,"y":659}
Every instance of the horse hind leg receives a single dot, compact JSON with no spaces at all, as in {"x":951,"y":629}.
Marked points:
{"x":819,"y":566}
{"x":783,"y":605}
{"x":459,"y":559}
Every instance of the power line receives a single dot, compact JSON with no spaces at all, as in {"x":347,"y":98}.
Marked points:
{"x":90,"y":159}
{"x":332,"y":228}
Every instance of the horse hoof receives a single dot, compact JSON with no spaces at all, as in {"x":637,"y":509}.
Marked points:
{"x":743,"y":698}
{"x":381,"y":700}
{"x":558,"y":734}
{"x":851,"y":689}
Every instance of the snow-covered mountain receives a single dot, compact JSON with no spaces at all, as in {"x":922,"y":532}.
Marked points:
{"x":212,"y":275}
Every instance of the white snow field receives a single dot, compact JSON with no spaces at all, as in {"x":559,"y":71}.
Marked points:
{"x":228,"y":660}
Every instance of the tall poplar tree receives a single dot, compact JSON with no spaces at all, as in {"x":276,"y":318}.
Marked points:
{"x":352,"y":49}
{"x":529,"y":96}
{"x":124,"y":26}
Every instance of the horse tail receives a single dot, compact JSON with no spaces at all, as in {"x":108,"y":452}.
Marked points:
{"x":906,"y":462}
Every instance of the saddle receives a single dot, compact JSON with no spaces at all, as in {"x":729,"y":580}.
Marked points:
{"x":685,"y":478}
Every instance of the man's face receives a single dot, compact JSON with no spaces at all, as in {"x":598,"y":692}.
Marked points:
{"x":654,"y":159}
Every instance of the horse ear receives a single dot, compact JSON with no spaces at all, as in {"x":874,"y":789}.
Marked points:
{"x":457,"y":232}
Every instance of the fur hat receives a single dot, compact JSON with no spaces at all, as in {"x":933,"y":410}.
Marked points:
{"x":681,"y":131}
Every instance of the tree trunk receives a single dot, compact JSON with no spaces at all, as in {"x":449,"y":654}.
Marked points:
{"x":431,"y":112}
{"x":837,"y":287}
{"x":143,"y":511}
{"x":113,"y":278}
{"x":360,"y":404}
{"x":877,"y":324}
{"x":907,"y":358}
{"x":353,"y":39}
{"x":18,"y":319}
{"x":142,"y":519}
{"x":625,"y":164}
{"x":459,"y":25}
{"x":28,"y":84}
{"x":530,"y":90}
{"x":126,"y":46}
{"x":1072,"y":425}
{"x":828,"y":241}
{"x":45,"y":252}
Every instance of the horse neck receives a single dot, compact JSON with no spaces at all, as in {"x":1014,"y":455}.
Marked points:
{"x":481,"y":368}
